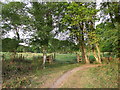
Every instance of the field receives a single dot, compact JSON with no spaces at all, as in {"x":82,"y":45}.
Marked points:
{"x":27,"y":72}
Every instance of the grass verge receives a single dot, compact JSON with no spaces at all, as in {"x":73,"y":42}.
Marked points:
{"x":98,"y":77}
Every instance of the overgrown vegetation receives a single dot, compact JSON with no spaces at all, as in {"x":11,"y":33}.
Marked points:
{"x":18,"y":73}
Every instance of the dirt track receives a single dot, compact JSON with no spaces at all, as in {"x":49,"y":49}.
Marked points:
{"x":60,"y":81}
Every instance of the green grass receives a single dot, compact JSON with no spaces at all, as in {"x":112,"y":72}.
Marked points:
{"x":98,"y":77}
{"x":66,"y":58}
{"x":51,"y":73}
{"x":103,"y":77}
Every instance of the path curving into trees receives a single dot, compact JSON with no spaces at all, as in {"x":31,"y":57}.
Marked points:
{"x":60,"y":81}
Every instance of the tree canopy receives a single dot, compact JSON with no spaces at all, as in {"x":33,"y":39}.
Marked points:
{"x":75,"y":18}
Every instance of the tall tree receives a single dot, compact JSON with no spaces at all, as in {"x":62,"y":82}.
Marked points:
{"x":43,"y":24}
{"x":76,"y":16}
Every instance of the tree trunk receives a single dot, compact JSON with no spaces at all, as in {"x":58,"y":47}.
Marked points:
{"x":44,"y":58}
{"x":88,"y":55}
{"x":78,"y":57}
{"x":98,"y":50}
{"x":95,"y":55}
{"x":17,"y":33}
{"x":83,"y":49}
{"x":84,"y":56}
{"x":103,"y":54}
{"x":54,"y":55}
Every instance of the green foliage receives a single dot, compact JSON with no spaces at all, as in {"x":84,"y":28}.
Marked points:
{"x":108,"y":36}
{"x":15,"y":13}
{"x":109,"y":30}
{"x":77,"y":12}
{"x":22,"y":48}
{"x":14,"y":17}
{"x":62,"y":46}
{"x":9,"y":45}
{"x":12,"y":11}
{"x":42,"y":22}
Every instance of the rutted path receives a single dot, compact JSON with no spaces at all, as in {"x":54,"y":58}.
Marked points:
{"x":60,"y":81}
